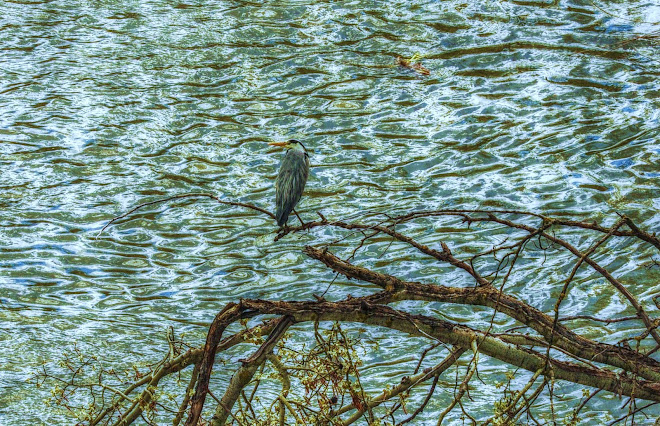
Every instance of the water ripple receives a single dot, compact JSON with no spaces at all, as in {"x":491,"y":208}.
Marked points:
{"x":528,"y":105}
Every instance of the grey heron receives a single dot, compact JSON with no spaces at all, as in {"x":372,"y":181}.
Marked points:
{"x":291,"y":179}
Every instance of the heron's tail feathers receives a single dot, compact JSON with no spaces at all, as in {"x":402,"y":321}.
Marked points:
{"x":282,"y":218}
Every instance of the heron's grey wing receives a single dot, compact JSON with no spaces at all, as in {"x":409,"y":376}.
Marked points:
{"x":290,"y":184}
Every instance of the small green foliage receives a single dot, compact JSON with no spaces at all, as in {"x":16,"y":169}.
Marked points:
{"x":416,"y":57}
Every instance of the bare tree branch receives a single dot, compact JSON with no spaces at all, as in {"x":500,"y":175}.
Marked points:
{"x":245,"y":373}
{"x":330,"y":372}
{"x":179,"y":197}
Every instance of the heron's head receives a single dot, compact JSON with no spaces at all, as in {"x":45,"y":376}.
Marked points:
{"x":290,"y":144}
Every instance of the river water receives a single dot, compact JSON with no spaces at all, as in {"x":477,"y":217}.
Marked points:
{"x":536,"y":105}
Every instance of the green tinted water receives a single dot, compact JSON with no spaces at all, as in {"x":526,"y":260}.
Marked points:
{"x":107,"y":104}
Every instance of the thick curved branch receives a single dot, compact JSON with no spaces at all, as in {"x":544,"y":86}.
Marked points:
{"x":491,"y":297}
{"x":232,"y":312}
{"x":245,"y":373}
{"x":190,"y":357}
{"x":360,"y":311}
{"x":354,"y":310}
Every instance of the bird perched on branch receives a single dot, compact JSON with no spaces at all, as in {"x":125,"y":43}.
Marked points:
{"x":291,"y":179}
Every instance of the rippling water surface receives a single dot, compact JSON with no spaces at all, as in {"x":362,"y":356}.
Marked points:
{"x":536,"y":105}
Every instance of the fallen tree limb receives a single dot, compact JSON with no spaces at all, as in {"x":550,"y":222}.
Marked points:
{"x":315,"y":379}
{"x":489,"y":296}
{"x":244,"y":374}
{"x":354,"y":310}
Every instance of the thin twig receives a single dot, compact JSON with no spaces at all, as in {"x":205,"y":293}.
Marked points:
{"x":181,"y":196}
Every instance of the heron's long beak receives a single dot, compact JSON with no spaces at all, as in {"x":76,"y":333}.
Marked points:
{"x":277,"y":143}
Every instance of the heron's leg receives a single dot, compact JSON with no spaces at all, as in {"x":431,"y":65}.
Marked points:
{"x":298,"y":216}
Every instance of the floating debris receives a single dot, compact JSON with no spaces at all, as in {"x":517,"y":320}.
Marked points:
{"x":413,"y":64}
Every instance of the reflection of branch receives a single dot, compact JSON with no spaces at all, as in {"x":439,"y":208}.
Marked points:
{"x":526,"y":46}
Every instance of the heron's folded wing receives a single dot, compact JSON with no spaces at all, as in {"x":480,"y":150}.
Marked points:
{"x":290,"y":184}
